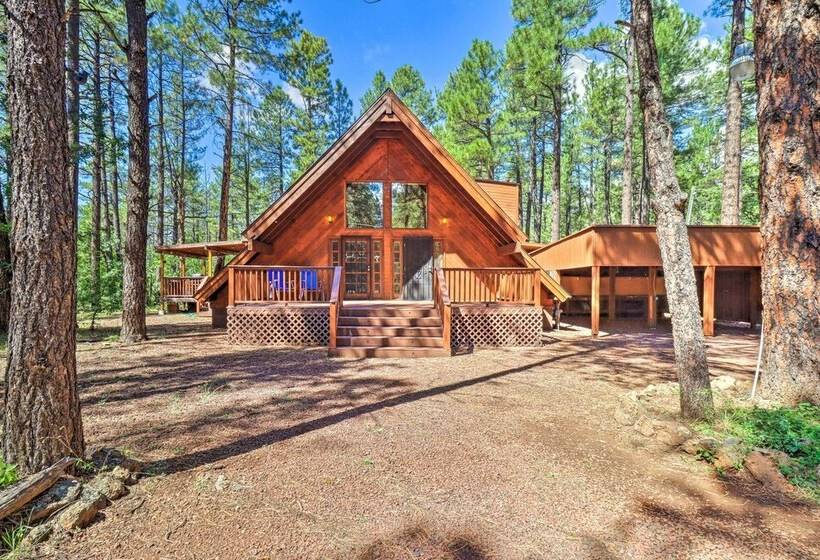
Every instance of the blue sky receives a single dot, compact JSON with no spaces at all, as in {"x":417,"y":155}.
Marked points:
{"x":432,"y":35}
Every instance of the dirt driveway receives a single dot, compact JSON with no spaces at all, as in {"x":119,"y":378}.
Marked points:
{"x":509,"y":454}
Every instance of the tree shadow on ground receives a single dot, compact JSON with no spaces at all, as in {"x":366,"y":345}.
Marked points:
{"x":257,"y":441}
{"x":730,"y":512}
{"x":421,"y":540}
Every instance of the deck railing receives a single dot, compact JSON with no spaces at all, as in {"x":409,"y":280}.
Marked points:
{"x":494,"y":285}
{"x":441,"y":300}
{"x":336,"y":300}
{"x":266,"y":284}
{"x":181,"y":287}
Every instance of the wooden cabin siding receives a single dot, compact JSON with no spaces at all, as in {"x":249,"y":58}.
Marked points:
{"x":507,"y":196}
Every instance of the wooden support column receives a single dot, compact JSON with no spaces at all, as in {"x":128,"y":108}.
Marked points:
{"x":231,"y":286}
{"x":613,"y":270}
{"x":709,"y":301}
{"x":162,"y":283}
{"x":754,"y":297}
{"x":595,"y":317}
{"x":536,"y":287}
{"x":652,"y":308}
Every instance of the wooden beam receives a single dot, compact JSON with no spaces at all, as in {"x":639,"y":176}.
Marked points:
{"x":509,"y":249}
{"x":754,"y":297}
{"x":613,"y":270}
{"x":709,"y":301}
{"x":258,"y":246}
{"x":15,"y":497}
{"x":652,"y":308}
{"x":595,"y":318}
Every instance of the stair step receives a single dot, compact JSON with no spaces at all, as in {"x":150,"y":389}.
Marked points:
{"x":390,"y":331}
{"x":388,"y":352}
{"x":384,"y":341}
{"x":389,"y":312}
{"x":389,"y":321}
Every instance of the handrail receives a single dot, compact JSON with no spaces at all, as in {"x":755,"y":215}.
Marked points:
{"x":441,"y":295}
{"x":283,"y":284}
{"x":336,"y":301}
{"x":181,"y":286}
{"x":494,"y":285}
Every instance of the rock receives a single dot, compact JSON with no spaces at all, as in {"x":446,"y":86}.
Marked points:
{"x":700,"y":444}
{"x":723,"y":383}
{"x":627,"y":411}
{"x":106,"y":458}
{"x":221,"y":483}
{"x":766,"y":472}
{"x":644,"y":426}
{"x":109,"y":486}
{"x":64,"y":491}
{"x":82,"y":512}
{"x":673,"y":435}
{"x":730,"y":455}
{"x":123,"y":474}
{"x":37,"y":535}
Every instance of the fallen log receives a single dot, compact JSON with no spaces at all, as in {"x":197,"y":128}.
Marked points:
{"x":15,"y":497}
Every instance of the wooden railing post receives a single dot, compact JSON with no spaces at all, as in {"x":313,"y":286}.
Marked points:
{"x":231,"y":286}
{"x":336,"y":299}
{"x":536,"y":287}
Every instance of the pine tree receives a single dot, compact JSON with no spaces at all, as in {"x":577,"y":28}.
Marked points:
{"x":341,"y":111}
{"x":375,"y":91}
{"x":408,"y":84}
{"x":275,"y":126}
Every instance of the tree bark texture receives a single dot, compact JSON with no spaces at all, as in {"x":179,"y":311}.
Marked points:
{"x":96,"y":177}
{"x":136,"y":225}
{"x":115,"y":168}
{"x":73,"y":94}
{"x":227,"y":149}
{"x":787,"y":33}
{"x":161,"y":158}
{"x":673,"y":238}
{"x":556,"y":164}
{"x":42,"y":421}
{"x":730,"y":200}
{"x":626,"y":194}
{"x":5,"y":268}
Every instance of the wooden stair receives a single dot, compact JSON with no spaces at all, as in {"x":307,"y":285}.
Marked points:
{"x":389,"y":331}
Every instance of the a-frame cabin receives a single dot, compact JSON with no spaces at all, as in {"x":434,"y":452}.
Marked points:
{"x":383,"y":218}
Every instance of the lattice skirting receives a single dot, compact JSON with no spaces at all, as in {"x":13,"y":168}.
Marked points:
{"x":278,"y":326}
{"x":496,"y":326}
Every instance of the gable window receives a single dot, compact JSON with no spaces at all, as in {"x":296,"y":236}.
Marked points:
{"x":363,"y":205}
{"x":409,"y":206}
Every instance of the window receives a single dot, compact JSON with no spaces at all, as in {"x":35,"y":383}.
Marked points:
{"x":363,"y":205}
{"x":409,"y":206}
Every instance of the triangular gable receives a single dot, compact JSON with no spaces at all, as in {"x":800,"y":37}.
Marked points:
{"x":387,"y":107}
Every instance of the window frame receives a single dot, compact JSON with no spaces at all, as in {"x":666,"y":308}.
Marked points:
{"x":426,"y":188}
{"x":347,"y":184}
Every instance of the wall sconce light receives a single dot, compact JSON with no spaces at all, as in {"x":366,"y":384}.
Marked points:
{"x":445,"y":221}
{"x":329,"y":218}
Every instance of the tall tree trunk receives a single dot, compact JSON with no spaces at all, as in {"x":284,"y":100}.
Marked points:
{"x":227,"y":149}
{"x":730,"y":201}
{"x":556,"y":163}
{"x":42,"y":420}
{"x":643,"y":213}
{"x":786,"y":37}
{"x":626,"y":194}
{"x":5,"y":268}
{"x":136,"y":226}
{"x":607,"y":172}
{"x":73,"y":94}
{"x":673,"y":238}
{"x":179,"y":227}
{"x":539,"y":207}
{"x":591,"y":184}
{"x":161,"y":154}
{"x":96,"y":177}
{"x":115,"y":168}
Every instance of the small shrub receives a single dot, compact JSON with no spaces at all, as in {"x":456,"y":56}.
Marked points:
{"x":8,"y":474}
{"x":793,"y":430}
{"x":11,"y":538}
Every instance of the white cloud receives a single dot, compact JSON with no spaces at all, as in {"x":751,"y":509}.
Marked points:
{"x":577,"y":70}
{"x":294,"y":94}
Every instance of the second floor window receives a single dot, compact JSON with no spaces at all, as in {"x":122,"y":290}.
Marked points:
{"x":364,"y":205}
{"x":409,"y":209}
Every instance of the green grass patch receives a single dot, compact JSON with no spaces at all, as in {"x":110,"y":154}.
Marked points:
{"x":792,"y":430}
{"x":8,"y":474}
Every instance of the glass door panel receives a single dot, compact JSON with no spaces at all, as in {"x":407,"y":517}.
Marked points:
{"x":356,"y":252}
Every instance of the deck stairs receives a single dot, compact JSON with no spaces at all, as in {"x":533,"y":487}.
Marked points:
{"x":389,"y":331}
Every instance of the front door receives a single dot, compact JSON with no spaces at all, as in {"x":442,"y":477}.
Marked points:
{"x":356,"y":262}
{"x":417,"y":274}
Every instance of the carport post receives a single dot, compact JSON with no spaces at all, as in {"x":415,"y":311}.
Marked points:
{"x":610,"y":313}
{"x":652,"y":307}
{"x":595,"y":318}
{"x":709,"y":301}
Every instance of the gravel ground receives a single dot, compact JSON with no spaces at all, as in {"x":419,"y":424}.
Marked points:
{"x":508,"y":453}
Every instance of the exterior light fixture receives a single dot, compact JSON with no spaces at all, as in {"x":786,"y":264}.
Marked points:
{"x":329,"y":218}
{"x":445,"y":221}
{"x":742,"y":66}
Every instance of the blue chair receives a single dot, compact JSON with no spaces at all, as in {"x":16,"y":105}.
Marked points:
{"x":277,"y":283}
{"x":309,"y":284}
